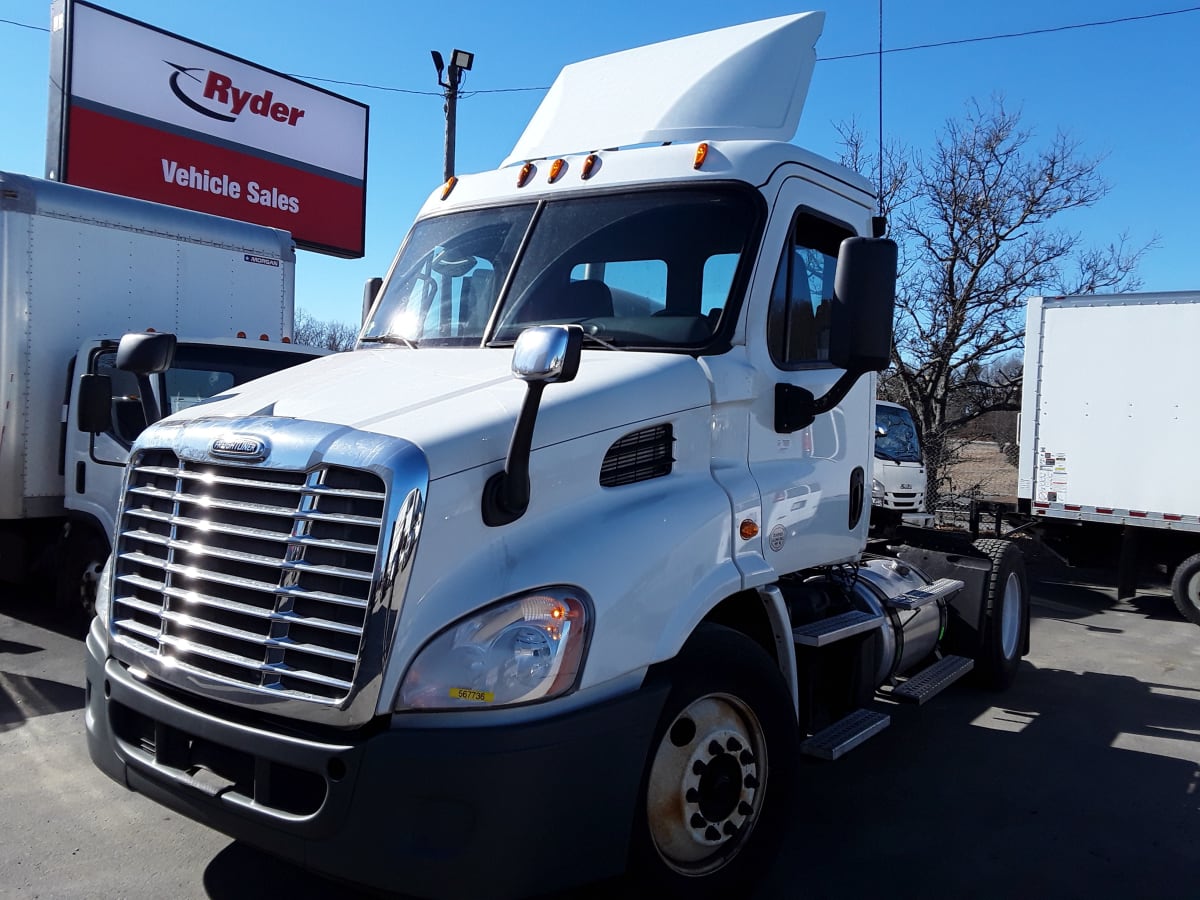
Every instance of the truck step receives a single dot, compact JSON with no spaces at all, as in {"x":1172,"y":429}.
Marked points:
{"x":845,"y":734}
{"x":918,"y":597}
{"x":931,"y":681}
{"x":835,"y":628}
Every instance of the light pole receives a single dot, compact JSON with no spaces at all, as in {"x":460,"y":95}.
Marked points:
{"x":460,"y":61}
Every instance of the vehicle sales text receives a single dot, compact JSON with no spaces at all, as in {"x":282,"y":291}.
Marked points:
{"x":223,"y":186}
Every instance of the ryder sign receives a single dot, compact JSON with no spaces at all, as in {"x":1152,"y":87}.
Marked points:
{"x":156,"y":116}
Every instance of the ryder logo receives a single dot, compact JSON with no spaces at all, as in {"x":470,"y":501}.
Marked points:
{"x":219,"y":98}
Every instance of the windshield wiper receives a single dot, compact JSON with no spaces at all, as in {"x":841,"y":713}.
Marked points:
{"x":389,"y":339}
{"x":588,"y":337}
{"x":883,"y":454}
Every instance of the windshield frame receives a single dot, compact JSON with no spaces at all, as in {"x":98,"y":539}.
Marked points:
{"x":718,"y":340}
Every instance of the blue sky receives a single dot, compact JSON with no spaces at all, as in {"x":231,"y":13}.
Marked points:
{"x":1128,"y":92}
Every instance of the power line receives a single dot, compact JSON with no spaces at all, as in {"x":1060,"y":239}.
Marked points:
{"x":930,"y":46}
{"x":25,"y":25}
{"x":1015,"y":34}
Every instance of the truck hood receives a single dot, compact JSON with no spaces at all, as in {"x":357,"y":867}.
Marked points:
{"x":460,"y":405}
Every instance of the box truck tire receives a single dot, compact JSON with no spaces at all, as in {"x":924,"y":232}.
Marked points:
{"x":84,"y":553}
{"x":1185,"y":588}
{"x":1006,"y":616}
{"x":722,"y":769}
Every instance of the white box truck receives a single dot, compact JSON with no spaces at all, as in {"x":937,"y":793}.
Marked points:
{"x":898,"y":476}
{"x":405,"y":618}
{"x":78,"y":268}
{"x":1108,"y":448}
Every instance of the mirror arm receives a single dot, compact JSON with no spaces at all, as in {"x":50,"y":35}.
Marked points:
{"x":506,"y":494}
{"x":149,"y":404}
{"x":797,"y":408}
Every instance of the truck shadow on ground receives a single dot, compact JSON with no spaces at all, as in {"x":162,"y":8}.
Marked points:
{"x":24,"y":697}
{"x":1054,"y":788}
{"x":1084,"y":592}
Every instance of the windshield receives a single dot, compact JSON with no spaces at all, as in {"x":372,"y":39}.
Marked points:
{"x":898,"y":440}
{"x":649,"y":270}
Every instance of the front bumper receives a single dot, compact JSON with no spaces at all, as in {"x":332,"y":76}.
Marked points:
{"x":507,"y":811}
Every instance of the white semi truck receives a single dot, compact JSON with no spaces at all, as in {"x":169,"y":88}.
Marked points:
{"x":78,"y":268}
{"x":405,"y":618}
{"x":1108,"y":450}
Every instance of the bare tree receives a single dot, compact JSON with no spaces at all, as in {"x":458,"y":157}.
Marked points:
{"x":329,"y":335}
{"x":972,"y":216}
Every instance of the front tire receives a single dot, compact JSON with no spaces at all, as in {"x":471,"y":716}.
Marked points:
{"x":83,"y":558}
{"x":722,"y":769}
{"x":1185,"y":588}
{"x":1006,"y":616}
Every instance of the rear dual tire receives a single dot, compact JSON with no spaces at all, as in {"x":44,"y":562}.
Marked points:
{"x":1006,"y":615}
{"x":1185,"y":588}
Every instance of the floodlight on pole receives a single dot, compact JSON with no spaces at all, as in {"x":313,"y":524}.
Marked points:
{"x":460,"y":61}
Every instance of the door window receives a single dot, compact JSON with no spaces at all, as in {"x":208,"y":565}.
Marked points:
{"x":800,"y":317}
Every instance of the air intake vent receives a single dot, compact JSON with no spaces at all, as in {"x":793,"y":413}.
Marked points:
{"x":639,"y":456}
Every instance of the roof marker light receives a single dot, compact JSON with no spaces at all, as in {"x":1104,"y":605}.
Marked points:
{"x":285,"y":339}
{"x":264,"y":337}
{"x":556,"y":168}
{"x":523,"y":176}
{"x":448,"y":186}
{"x":588,"y":165}
{"x":241,"y":334}
{"x":701,"y":155}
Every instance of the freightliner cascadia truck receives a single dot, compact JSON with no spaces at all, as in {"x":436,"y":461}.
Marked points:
{"x":559,"y":572}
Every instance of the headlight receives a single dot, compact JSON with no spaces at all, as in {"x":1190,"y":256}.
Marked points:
{"x":516,"y":651}
{"x":104,"y":591}
{"x":877,"y":489}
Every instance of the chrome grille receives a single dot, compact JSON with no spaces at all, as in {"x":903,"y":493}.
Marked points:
{"x":256,"y":576}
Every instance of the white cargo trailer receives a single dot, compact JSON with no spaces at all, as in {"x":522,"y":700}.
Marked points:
{"x":78,"y":268}
{"x":1110,"y":425}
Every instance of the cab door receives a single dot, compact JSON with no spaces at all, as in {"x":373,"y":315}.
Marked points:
{"x":812,"y":482}
{"x":95,"y":463}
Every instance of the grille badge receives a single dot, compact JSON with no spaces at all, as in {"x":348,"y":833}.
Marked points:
{"x":240,"y":446}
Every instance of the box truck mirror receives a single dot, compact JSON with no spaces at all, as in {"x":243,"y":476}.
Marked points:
{"x":145,"y":354}
{"x":544,"y":354}
{"x":94,"y":412}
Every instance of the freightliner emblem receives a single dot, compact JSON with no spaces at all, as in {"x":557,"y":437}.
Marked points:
{"x":240,"y":446}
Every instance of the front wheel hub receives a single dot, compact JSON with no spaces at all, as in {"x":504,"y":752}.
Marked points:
{"x":706,"y":784}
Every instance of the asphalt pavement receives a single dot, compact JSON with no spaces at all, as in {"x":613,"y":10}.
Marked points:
{"x":1082,"y":780}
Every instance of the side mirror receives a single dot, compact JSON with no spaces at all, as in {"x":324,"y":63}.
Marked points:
{"x":548,"y":353}
{"x":94,"y":412}
{"x":864,"y":295}
{"x":864,"y":301}
{"x":543,"y":354}
{"x":370,"y":292}
{"x":146,"y":353}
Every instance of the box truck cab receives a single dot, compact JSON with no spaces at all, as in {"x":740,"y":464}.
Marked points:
{"x":557,"y":573}
{"x":78,"y":269}
{"x":898,"y":482}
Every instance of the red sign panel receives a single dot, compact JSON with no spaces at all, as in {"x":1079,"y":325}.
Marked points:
{"x":154,"y":116}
